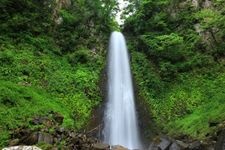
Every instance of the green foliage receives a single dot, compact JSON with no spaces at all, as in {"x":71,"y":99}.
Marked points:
{"x":67,"y":17}
{"x":18,"y":103}
{"x":40,"y":81}
{"x":187,"y":106}
{"x":210,"y":18}
{"x":164,"y":46}
{"x":51,"y":59}
{"x":80,"y":106}
{"x":177,"y":58}
{"x":19,"y":16}
{"x":211,"y":97}
{"x":146,"y":75}
{"x":85,"y":23}
{"x":212,"y":22}
{"x":80,"y":56}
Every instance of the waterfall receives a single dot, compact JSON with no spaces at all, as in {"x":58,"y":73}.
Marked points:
{"x":120,"y":121}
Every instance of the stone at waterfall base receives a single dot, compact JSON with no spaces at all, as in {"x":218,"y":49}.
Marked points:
{"x":22,"y":148}
{"x":100,"y":146}
{"x":168,"y":143}
{"x":118,"y":147}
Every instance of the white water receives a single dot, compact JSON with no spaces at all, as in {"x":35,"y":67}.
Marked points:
{"x":120,"y":122}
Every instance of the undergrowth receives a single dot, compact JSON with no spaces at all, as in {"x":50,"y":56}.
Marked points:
{"x":36,"y":81}
{"x":187,"y":105}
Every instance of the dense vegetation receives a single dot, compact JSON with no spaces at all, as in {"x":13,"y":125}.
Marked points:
{"x":51,"y":56}
{"x":52,"y":53}
{"x":178,"y":62}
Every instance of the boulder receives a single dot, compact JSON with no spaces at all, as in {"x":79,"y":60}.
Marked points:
{"x":164,"y":143}
{"x":118,"y":147}
{"x":39,"y":120}
{"x":60,"y":130}
{"x":174,"y":146}
{"x":220,"y":144}
{"x":182,"y":144}
{"x":160,"y":143}
{"x":153,"y":146}
{"x":100,"y":146}
{"x":29,"y":139}
{"x":20,"y":132}
{"x":209,"y":148}
{"x":22,"y":148}
{"x":195,"y":145}
{"x":45,"y":138}
{"x":14,"y":142}
{"x":72,"y":134}
{"x":37,"y":137}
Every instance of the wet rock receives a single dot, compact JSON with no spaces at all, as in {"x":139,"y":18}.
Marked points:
{"x":55,"y":140}
{"x":100,"y":146}
{"x":48,"y":123}
{"x":14,"y":142}
{"x":75,"y":141}
{"x":174,"y":146}
{"x":118,"y":147}
{"x":221,"y":126}
{"x":37,"y":137}
{"x":72,"y":134}
{"x":81,"y":141}
{"x":30,"y":139}
{"x":93,"y":140}
{"x":209,"y":148}
{"x":153,"y":146}
{"x":45,"y":138}
{"x":22,"y":148}
{"x":160,"y":143}
{"x":38,"y":120}
{"x":195,"y":145}
{"x":182,"y":144}
{"x":164,"y":143}
{"x":220,"y":144}
{"x":20,"y":132}
{"x":61,"y":130}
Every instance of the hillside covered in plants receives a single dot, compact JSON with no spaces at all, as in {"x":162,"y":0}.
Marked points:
{"x":53,"y":58}
{"x":178,"y":58}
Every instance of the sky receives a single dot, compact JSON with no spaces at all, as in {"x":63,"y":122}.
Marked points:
{"x":122,"y":5}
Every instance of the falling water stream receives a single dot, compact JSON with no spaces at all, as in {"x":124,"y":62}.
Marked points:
{"x":120,"y":121}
